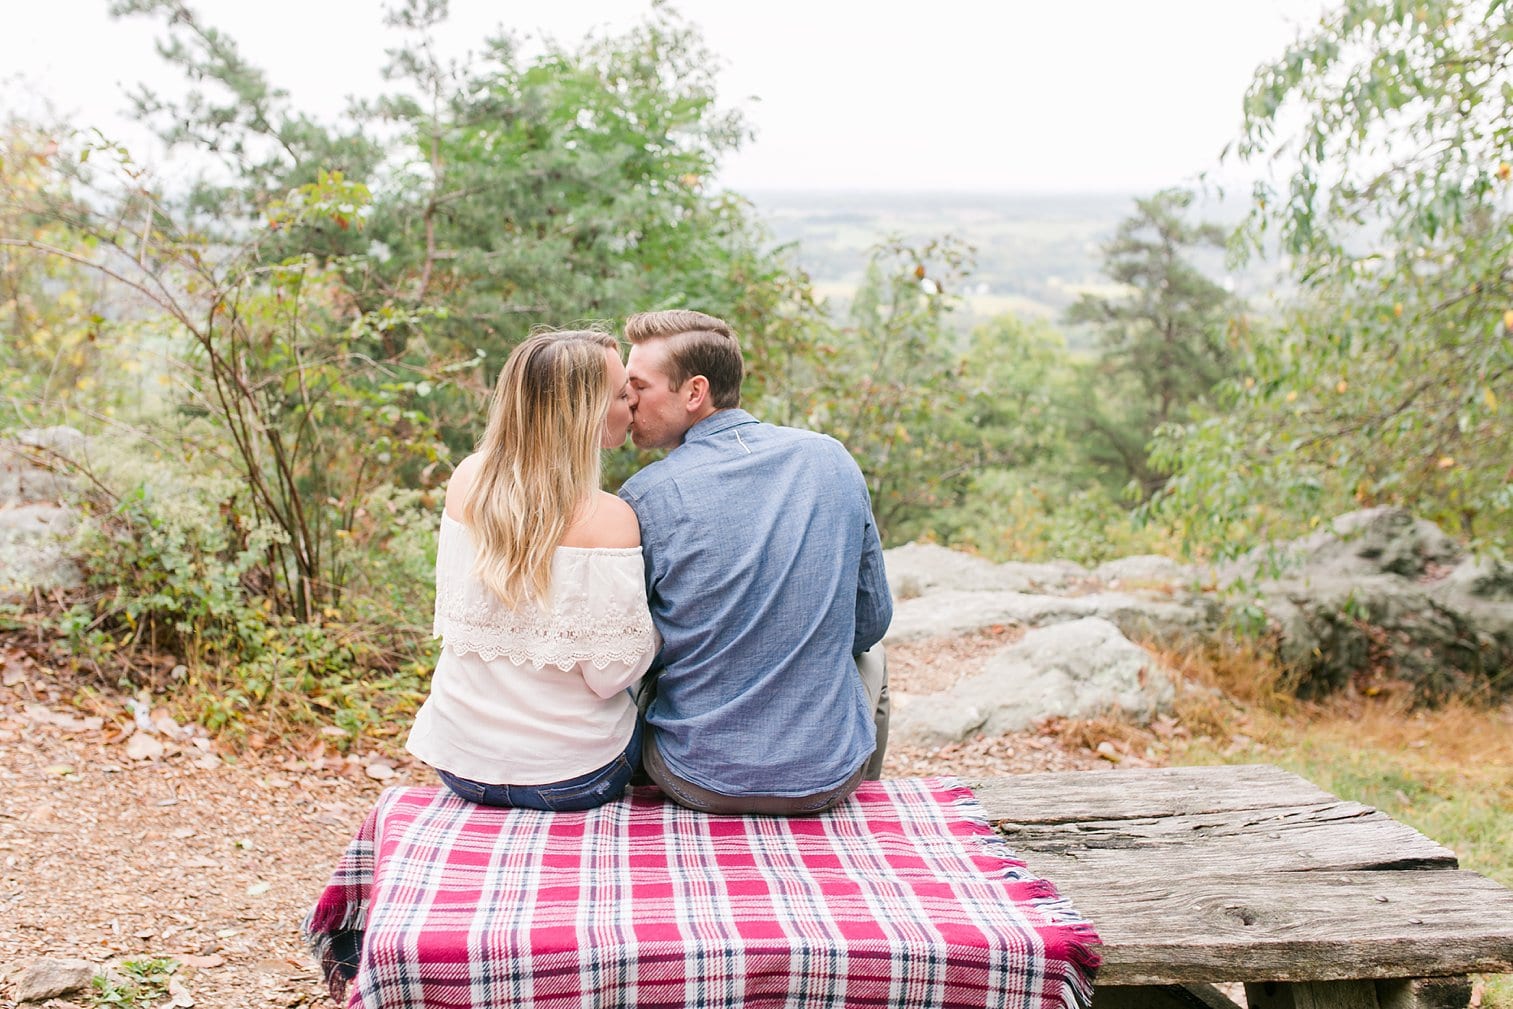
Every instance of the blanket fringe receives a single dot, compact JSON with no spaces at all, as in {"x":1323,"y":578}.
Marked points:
{"x":1078,"y":935}
{"x":334,"y":941}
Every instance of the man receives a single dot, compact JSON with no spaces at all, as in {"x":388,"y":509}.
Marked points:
{"x":765,"y":578}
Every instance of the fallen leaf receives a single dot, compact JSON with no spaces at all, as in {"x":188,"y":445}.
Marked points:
{"x":258,"y":889}
{"x":201,"y":962}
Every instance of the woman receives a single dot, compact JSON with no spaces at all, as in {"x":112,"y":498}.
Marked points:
{"x":540,"y":595}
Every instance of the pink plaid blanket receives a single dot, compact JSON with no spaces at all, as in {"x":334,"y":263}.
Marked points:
{"x":903,"y":896}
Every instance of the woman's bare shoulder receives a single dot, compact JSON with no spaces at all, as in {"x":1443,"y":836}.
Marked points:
{"x":608,"y":523}
{"x":461,"y":482}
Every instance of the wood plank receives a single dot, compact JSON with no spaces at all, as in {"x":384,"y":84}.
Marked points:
{"x":1298,"y":927}
{"x":1425,"y":993}
{"x":1069,"y":796}
{"x":1332,"y":836}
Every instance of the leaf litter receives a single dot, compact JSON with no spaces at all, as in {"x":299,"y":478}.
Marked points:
{"x":124,"y":835}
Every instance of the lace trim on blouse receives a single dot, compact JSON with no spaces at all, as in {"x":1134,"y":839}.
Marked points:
{"x":597,"y":612}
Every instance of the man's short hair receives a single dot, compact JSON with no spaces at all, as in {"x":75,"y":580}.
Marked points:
{"x":697,"y":344}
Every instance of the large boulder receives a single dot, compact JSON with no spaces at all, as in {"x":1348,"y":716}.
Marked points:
{"x":1081,"y":668}
{"x":917,"y":568}
{"x":1373,"y":541}
{"x":952,"y":611}
{"x":1149,"y":571}
{"x":35,"y":524}
{"x":945,"y":592}
{"x":1382,"y":595}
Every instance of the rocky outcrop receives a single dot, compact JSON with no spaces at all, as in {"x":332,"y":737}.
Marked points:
{"x":1382,"y":595}
{"x":1377,"y":595}
{"x":940,"y":591}
{"x":917,"y":568}
{"x":1081,"y":668}
{"x":34,"y":522}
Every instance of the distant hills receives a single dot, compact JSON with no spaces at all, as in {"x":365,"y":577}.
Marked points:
{"x":1035,"y":253}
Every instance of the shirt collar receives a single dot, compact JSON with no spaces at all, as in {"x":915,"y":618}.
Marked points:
{"x":720,"y":420}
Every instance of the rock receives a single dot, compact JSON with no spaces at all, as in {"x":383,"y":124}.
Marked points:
{"x":142,"y":746}
{"x":1081,"y":668}
{"x":34,"y":527}
{"x":61,"y":440}
{"x":959,"y":612}
{"x":1479,"y":578}
{"x":1143,"y":570}
{"x":48,"y":978}
{"x":1373,"y":541}
{"x":27,"y":472}
{"x":33,"y":550}
{"x":1383,"y":595}
{"x":917,"y":568}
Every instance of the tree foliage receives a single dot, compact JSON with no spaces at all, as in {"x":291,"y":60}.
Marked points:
{"x":1165,"y":343}
{"x":51,"y":308}
{"x":1390,"y":379}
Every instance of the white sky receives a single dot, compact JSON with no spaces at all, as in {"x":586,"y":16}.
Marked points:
{"x":1013,"y":95}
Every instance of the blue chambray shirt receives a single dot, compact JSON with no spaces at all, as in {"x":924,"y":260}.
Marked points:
{"x":765,"y":577}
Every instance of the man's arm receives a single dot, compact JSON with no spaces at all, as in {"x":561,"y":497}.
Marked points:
{"x":874,"y":603}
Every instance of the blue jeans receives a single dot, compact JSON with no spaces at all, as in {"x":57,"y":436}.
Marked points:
{"x":583,"y":792}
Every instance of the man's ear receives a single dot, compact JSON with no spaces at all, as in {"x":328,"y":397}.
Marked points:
{"x":695,"y":393}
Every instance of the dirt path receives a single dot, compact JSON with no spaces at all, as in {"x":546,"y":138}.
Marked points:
{"x":124,"y":843}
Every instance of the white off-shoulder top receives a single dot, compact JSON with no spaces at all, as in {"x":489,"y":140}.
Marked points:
{"x":536,"y":694}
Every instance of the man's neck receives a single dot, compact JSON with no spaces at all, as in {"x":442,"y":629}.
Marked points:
{"x":701,"y":418}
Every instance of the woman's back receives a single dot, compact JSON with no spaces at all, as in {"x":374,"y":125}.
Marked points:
{"x":536,"y":692}
{"x":605,"y":521}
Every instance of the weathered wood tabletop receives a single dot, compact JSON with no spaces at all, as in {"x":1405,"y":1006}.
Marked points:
{"x":1199,"y":875}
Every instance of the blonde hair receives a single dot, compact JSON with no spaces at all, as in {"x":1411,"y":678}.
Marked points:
{"x":540,"y":459}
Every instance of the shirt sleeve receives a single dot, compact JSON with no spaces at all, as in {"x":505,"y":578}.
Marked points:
{"x":874,"y":602}
{"x":617,"y":675}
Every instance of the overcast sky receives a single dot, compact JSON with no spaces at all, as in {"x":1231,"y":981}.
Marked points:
{"x":1012,"y":95}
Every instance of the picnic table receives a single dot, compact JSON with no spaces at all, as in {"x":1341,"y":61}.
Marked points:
{"x":1197,"y":876}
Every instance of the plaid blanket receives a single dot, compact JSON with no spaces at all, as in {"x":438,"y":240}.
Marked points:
{"x":902,"y":896}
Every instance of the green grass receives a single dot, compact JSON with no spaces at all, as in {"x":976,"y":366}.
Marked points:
{"x":140,"y":982}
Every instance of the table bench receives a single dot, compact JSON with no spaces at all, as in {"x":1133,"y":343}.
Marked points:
{"x":1196,"y":876}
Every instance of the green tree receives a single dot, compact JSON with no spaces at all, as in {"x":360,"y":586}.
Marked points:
{"x":509,"y":190}
{"x":1164,"y":344}
{"x":566,"y":185}
{"x":888,"y":384}
{"x":1390,"y":379}
{"x":52,"y":356}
